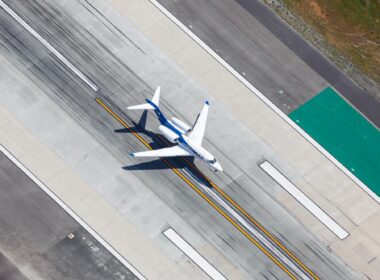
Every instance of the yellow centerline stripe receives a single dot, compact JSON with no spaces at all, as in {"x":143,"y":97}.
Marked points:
{"x":236,"y":225}
{"x":265,"y":231}
{"x":274,"y":239}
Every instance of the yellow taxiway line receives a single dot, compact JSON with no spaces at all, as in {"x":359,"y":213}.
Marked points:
{"x":207,"y":199}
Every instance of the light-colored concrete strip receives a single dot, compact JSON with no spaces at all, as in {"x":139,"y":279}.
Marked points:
{"x":71,"y":213}
{"x":48,"y":46}
{"x":264,"y":99}
{"x":304,"y":200}
{"x":189,"y":251}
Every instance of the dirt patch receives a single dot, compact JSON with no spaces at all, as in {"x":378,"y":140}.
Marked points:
{"x":347,"y":32}
{"x":316,"y":9}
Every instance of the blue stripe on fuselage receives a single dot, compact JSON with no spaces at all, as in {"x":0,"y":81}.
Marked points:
{"x":163,"y":120}
{"x":184,"y":143}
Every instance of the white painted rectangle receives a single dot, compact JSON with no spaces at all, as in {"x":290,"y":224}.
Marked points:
{"x":304,"y":200}
{"x":193,"y":254}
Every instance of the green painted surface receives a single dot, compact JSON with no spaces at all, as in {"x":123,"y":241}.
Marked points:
{"x":344,"y":133}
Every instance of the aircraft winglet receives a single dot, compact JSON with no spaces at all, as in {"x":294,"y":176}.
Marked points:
{"x":199,"y":127}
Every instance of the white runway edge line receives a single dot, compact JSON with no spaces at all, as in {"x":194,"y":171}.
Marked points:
{"x":265,"y":100}
{"x":48,"y":46}
{"x":71,"y":213}
{"x":189,"y":251}
{"x":304,"y":200}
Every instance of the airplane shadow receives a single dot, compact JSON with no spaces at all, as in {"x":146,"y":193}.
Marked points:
{"x":157,"y":164}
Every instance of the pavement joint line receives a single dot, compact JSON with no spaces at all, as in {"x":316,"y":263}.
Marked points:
{"x":265,"y":100}
{"x":208,"y":200}
{"x":189,"y":251}
{"x":49,"y":46}
{"x":304,"y":200}
{"x":69,"y":211}
{"x":256,"y":223}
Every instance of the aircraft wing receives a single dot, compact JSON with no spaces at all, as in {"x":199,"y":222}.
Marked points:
{"x":164,"y":152}
{"x":199,"y":127}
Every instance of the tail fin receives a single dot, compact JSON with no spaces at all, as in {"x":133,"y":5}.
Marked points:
{"x":147,"y":106}
{"x":156,"y":96}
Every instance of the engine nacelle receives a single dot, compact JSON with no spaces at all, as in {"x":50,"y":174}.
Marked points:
{"x":168,"y":134}
{"x":180,"y":124}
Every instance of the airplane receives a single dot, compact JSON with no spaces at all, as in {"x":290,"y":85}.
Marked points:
{"x":188,"y":139}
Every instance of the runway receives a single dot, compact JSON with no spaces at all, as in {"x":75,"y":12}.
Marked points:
{"x":126,"y":67}
{"x":266,"y":243}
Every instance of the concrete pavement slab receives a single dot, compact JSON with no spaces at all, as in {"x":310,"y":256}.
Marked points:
{"x":5,"y":117}
{"x":151,"y":260}
{"x":357,"y":208}
{"x":176,"y":273}
{"x":138,"y":11}
{"x":360,"y":250}
{"x":191,"y":59}
{"x":275,"y":133}
{"x":69,"y":187}
{"x":320,"y":179}
{"x":163,"y":33}
{"x":96,"y":211}
{"x":301,"y":155}
{"x":125,"y":236}
{"x":371,"y":225}
{"x":43,"y":161}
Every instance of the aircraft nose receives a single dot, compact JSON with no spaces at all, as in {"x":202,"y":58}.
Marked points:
{"x":218,"y":167}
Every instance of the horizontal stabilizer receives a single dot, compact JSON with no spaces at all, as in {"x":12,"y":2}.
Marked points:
{"x":145,"y":106}
{"x":175,"y":151}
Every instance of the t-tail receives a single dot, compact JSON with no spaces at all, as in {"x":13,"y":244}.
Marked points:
{"x":151,"y":104}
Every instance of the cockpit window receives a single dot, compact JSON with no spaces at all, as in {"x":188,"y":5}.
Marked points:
{"x":212,"y":161}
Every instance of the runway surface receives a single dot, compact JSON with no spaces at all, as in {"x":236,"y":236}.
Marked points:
{"x":34,"y":236}
{"x":272,"y":56}
{"x":126,"y":68}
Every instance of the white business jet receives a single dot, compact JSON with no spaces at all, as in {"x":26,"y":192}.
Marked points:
{"x":188,"y":139}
